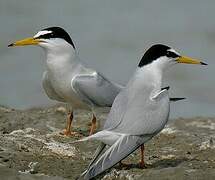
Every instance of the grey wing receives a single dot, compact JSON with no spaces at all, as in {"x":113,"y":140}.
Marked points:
{"x":99,"y":150}
{"x":145,"y":116}
{"x":124,"y":146}
{"x":173,"y":99}
{"x":117,"y":111}
{"x":95,"y":89}
{"x":49,"y":89}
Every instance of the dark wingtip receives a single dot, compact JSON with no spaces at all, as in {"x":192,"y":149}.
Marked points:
{"x":167,"y":88}
{"x":10,"y":45}
{"x":176,"y":99}
{"x":202,"y":63}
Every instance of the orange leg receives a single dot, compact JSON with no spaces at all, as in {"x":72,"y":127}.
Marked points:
{"x":142,"y":163}
{"x":93,"y":125}
{"x":67,"y":131}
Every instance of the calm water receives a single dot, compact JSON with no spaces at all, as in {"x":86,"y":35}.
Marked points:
{"x":111,"y":37}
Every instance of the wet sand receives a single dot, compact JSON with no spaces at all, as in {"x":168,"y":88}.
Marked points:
{"x":31,"y":148}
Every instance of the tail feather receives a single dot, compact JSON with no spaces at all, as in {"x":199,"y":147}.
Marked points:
{"x":83,"y":139}
{"x":97,"y":153}
{"x":124,"y":146}
{"x":95,"y":136}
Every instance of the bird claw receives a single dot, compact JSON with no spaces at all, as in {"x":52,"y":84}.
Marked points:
{"x":142,"y":165}
{"x":69,"y":133}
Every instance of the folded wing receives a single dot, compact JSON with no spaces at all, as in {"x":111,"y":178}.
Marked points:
{"x":95,"y":89}
{"x":117,"y":152}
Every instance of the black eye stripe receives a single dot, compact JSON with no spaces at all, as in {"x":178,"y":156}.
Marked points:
{"x":171,"y":54}
{"x":56,"y":32}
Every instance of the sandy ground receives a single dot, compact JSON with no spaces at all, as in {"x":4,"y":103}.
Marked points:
{"x":32,"y":149}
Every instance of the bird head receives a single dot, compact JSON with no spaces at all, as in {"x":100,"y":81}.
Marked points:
{"x":162,"y":56}
{"x":52,"y":38}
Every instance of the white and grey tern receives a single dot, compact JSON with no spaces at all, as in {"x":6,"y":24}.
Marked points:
{"x":67,"y":78}
{"x":139,"y":111}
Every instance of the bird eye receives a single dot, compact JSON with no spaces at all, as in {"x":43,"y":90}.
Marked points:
{"x":167,"y":53}
{"x":171,"y":54}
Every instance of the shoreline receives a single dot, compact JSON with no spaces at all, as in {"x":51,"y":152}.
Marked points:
{"x":31,"y":148}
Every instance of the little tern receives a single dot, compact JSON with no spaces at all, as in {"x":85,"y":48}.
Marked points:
{"x":67,"y":79}
{"x":139,"y":111}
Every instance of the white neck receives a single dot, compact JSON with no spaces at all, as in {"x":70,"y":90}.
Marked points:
{"x":149,"y":76}
{"x":62,"y":57}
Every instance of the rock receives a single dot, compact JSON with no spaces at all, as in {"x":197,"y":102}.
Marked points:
{"x":32,"y":148}
{"x":61,"y":109}
{"x":12,"y":174}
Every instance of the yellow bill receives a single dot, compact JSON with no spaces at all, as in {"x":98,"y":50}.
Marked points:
{"x":188,"y":60}
{"x":25,"y":42}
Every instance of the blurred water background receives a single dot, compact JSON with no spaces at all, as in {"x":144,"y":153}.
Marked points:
{"x":111,"y":36}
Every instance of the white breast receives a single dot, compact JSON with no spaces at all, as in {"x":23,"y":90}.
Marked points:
{"x":61,"y":70}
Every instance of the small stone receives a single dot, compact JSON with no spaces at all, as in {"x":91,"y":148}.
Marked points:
{"x":211,"y":141}
{"x":61,"y":109}
{"x":154,"y":157}
{"x":22,"y":147}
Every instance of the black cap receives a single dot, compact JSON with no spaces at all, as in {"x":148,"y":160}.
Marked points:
{"x":154,"y":52}
{"x":57,"y":32}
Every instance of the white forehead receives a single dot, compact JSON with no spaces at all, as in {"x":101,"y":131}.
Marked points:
{"x":40,"y":33}
{"x":174,"y":51}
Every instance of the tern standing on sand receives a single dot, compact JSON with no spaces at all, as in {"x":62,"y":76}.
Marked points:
{"x":67,"y":79}
{"x":139,"y":112}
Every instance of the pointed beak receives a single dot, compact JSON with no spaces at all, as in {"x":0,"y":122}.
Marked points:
{"x":25,"y":42}
{"x":188,"y":60}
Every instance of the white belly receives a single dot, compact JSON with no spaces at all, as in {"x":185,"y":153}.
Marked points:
{"x":61,"y":70}
{"x":62,"y":86}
